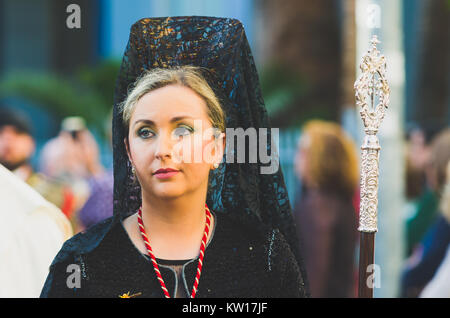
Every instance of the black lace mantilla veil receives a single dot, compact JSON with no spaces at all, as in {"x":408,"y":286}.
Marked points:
{"x":219,"y":45}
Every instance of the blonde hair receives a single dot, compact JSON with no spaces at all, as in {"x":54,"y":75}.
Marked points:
{"x":187,"y":76}
{"x":332,"y":157}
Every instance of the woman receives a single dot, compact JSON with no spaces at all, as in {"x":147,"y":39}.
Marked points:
{"x":327,"y":165}
{"x":185,"y":227}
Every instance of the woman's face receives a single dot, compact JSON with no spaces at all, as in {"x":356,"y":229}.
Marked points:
{"x":169,"y":130}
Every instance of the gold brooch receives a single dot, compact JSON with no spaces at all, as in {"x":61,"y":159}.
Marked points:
{"x":127,"y":295}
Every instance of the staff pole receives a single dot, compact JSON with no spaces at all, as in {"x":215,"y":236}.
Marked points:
{"x":372,"y":99}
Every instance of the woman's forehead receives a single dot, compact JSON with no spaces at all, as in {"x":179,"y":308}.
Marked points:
{"x":170,"y":101}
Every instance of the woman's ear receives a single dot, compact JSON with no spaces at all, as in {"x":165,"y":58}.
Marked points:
{"x":220,"y":148}
{"x":223,"y":142}
{"x":127,"y":147}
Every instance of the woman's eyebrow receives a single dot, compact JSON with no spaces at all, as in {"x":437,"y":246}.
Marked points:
{"x":179,"y":118}
{"x":152,"y":123}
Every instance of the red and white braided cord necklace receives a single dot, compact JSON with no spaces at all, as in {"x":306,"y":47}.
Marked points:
{"x":153,"y":258}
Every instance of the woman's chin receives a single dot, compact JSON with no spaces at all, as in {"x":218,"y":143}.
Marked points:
{"x":168,"y":192}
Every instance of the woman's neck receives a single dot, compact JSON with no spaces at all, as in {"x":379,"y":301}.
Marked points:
{"x":178,"y":215}
{"x":175,"y":227}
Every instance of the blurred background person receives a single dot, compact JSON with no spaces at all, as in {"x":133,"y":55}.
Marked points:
{"x":439,"y":286}
{"x":421,"y":266}
{"x":32,"y":231}
{"x":421,"y":199}
{"x":417,"y":153}
{"x":325,"y":215}
{"x":99,"y":204}
{"x":73,"y":156}
{"x":17,"y":146}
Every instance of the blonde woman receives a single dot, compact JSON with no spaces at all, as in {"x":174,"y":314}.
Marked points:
{"x":185,"y":223}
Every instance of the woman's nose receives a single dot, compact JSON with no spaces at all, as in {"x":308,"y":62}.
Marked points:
{"x":163,"y":146}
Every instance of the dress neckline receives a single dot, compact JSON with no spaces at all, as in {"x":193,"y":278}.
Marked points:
{"x":171,"y":262}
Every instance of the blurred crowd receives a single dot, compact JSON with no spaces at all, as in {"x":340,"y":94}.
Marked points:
{"x":326,"y":212}
{"x":427,"y":268}
{"x":69,"y":174}
{"x":71,"y":177}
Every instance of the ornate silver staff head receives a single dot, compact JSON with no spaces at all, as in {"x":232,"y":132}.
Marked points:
{"x":372,"y":98}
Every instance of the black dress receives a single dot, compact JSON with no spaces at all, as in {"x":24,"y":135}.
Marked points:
{"x":238,"y":263}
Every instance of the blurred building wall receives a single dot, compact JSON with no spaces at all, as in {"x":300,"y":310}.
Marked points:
{"x":302,"y":37}
{"x":35,"y":36}
{"x":431,"y":91}
{"x":25,"y":34}
{"x":413,"y":16}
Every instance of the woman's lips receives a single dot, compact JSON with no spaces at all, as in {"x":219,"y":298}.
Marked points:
{"x":164,"y":174}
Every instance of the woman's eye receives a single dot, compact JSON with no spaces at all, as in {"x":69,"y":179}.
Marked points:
{"x":145,"y":133}
{"x":183,"y":131}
